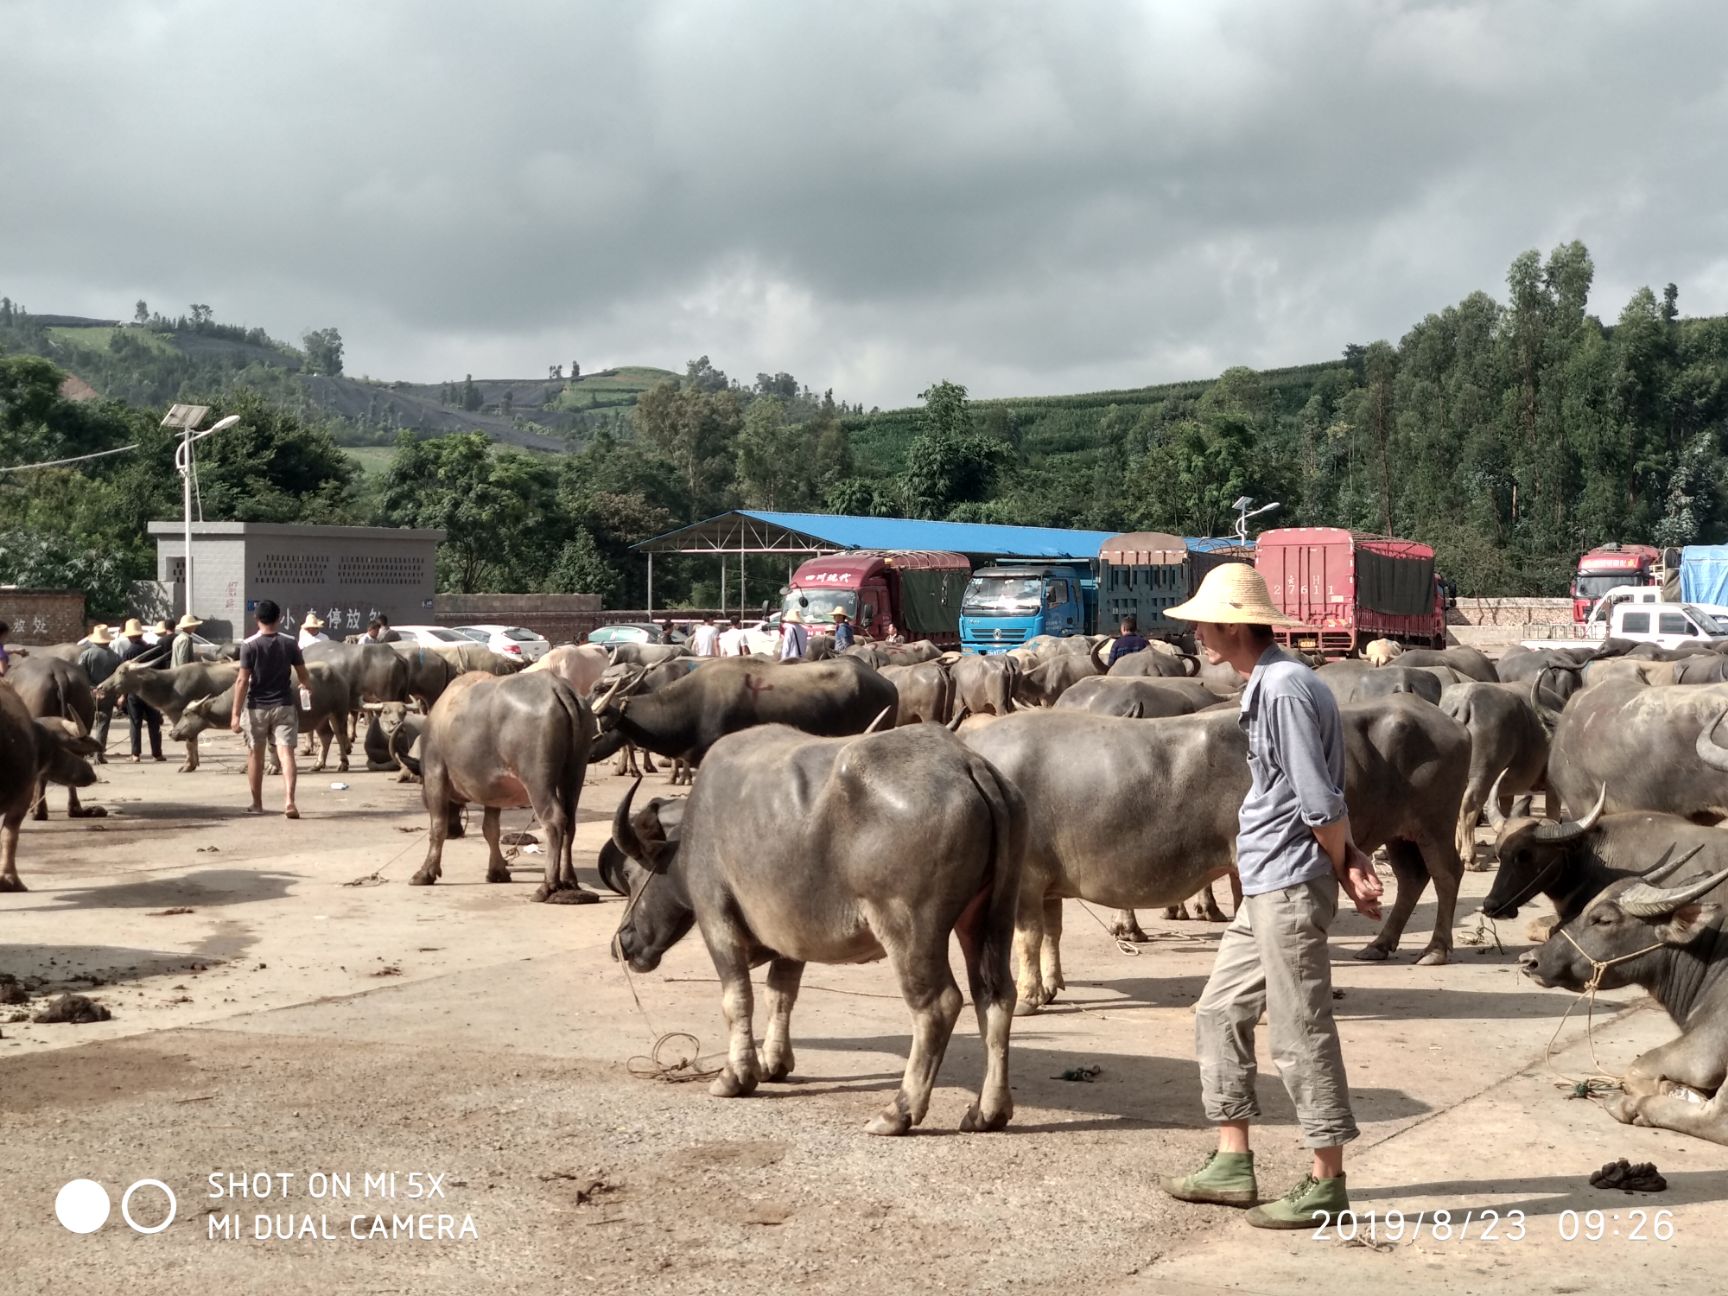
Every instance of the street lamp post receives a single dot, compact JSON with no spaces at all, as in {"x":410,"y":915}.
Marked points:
{"x":1244,"y":512}
{"x":185,"y":417}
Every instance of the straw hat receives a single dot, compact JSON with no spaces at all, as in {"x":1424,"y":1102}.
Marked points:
{"x":794,"y":617}
{"x":162,"y":627}
{"x":839,"y":614}
{"x":1232,"y":594}
{"x":311,"y":622}
{"x":99,"y":635}
{"x":134,"y":628}
{"x":189,"y":622}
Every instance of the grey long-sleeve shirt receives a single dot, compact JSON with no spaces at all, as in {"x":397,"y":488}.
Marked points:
{"x":1296,"y":761}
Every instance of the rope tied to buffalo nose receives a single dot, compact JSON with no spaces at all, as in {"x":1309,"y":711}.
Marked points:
{"x":653,"y":1065}
{"x":1601,"y":1080}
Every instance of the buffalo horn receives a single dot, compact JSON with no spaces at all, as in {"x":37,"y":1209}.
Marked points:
{"x":1642,"y":900}
{"x":958,"y":720}
{"x":1098,"y":666}
{"x":624,"y":832}
{"x":1190,"y":663}
{"x":1135,"y":712}
{"x":876,"y":724}
{"x":1662,"y":870}
{"x":1711,"y":752}
{"x":1572,"y":829}
{"x":1491,"y":807}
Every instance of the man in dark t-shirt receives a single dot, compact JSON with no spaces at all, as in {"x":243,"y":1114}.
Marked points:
{"x":1129,"y":641}
{"x":264,"y":689}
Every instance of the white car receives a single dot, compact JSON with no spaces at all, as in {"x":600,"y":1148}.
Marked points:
{"x":431,"y":636}
{"x":511,"y":641}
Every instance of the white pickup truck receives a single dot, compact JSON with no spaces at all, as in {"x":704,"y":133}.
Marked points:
{"x":1666,"y":624}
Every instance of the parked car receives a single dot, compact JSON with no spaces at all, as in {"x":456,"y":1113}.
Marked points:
{"x":430,"y":635}
{"x":645,"y":632}
{"x":511,"y":641}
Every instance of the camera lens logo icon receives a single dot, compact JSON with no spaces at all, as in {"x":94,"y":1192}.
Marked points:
{"x":83,"y":1206}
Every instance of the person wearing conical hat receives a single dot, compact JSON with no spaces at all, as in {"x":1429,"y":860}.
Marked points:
{"x":185,"y":650}
{"x":794,"y":638}
{"x":99,"y":660}
{"x":311,"y":629}
{"x":1293,"y":851}
{"x":140,"y":713}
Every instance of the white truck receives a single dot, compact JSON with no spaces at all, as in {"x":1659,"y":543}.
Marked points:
{"x":1646,"y":621}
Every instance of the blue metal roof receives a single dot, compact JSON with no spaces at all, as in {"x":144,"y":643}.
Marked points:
{"x":755,"y":531}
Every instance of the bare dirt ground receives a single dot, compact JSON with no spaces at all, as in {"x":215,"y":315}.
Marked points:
{"x":269,"y":1017}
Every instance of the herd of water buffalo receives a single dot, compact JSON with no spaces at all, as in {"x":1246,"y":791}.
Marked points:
{"x":869,"y":804}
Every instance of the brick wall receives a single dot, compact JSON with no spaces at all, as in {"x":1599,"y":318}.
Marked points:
{"x":43,"y":616}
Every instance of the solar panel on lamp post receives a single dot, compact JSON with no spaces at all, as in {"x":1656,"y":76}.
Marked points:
{"x":185,"y":417}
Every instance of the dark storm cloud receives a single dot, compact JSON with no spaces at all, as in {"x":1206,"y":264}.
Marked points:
{"x":1023,"y":197}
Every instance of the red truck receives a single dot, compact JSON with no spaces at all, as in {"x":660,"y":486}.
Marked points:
{"x":1348,"y":588}
{"x":914,"y":594}
{"x":1609,"y":566}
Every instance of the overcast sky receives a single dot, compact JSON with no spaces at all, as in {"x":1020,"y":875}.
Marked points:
{"x":1022,"y":197}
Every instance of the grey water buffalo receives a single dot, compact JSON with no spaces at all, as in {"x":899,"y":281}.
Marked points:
{"x":1356,"y":681}
{"x":1118,"y":696}
{"x":1405,"y":769}
{"x":374,"y":672}
{"x":1635,"y":670}
{"x":1651,"y":747}
{"x":1560,"y":669}
{"x":433,"y":668}
{"x":328,"y":718}
{"x":53,"y":689}
{"x":1152,"y":664}
{"x":33,"y":752}
{"x":1471,"y":663}
{"x":893,"y":654}
{"x":172,"y":690}
{"x":643,"y":654}
{"x":796,"y":850}
{"x":925,"y":690}
{"x":504,"y":742}
{"x":1508,"y":750}
{"x":644,"y":681}
{"x":1702,"y":668}
{"x":683,"y":720}
{"x":1665,"y":937}
{"x":1044,"y":684}
{"x":985,"y":685}
{"x":1569,"y":862}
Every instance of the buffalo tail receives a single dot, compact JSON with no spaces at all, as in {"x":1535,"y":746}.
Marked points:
{"x":1007,"y":850}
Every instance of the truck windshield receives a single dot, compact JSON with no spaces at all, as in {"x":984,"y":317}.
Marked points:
{"x":819,"y":605}
{"x":1002,"y":596}
{"x":1708,"y":622}
{"x":1594,"y":587}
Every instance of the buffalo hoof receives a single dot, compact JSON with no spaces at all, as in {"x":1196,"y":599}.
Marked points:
{"x":317,"y":769}
{"x":978,"y":1121}
{"x":89,"y":812}
{"x":729,"y":1084}
{"x":342,"y":766}
{"x":896,"y":1120}
{"x":425,"y":877}
{"x":1133,"y":933}
{"x":40,"y":813}
{"x":566,"y":895}
{"x":1027,"y":1004}
{"x":1372,"y":954}
{"x":779,"y":1067}
{"x":499,"y":874}
{"x":1172,"y":912}
{"x":12,"y":884}
{"x":187,"y":768}
{"x":1433,"y":958}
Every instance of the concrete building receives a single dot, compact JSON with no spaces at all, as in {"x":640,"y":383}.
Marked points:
{"x":348,"y":574}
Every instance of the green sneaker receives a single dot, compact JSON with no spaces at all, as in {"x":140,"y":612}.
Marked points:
{"x":1225,"y":1179}
{"x":1306,"y":1205}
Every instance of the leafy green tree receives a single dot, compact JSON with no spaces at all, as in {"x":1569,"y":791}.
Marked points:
{"x":693,"y":429}
{"x":581,"y":568}
{"x":775,"y":470}
{"x":141,"y":312}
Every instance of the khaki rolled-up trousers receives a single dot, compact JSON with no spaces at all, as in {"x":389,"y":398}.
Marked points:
{"x":1274,"y":958}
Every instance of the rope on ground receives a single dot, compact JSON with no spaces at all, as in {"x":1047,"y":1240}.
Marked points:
{"x":1602,"y":1080}
{"x":653,"y":1065}
{"x":1123,"y":944}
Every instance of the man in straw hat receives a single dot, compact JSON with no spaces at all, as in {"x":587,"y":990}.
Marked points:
{"x":99,"y":660}
{"x":139,"y":712}
{"x":1293,"y":850}
{"x":794,"y":638}
{"x":184,"y":651}
{"x":312,"y":629}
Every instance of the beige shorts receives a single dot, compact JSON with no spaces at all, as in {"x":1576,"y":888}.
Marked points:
{"x":278,"y":724}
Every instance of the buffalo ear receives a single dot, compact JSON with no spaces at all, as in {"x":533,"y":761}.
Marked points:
{"x":1687,"y":923}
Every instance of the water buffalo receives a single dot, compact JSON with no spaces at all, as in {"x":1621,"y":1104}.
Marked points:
{"x":1356,"y":681}
{"x":1093,"y":838}
{"x":1152,"y":664}
{"x":985,"y":685}
{"x":1114,"y":695}
{"x":1633,"y":670}
{"x":926,"y":692}
{"x":1666,"y":939}
{"x":643,"y":654}
{"x":685,"y":719}
{"x":1471,"y":663}
{"x":1046,"y":682}
{"x":890,"y":654}
{"x":1571,"y":861}
{"x":432,"y":668}
{"x":643,"y":681}
{"x":31,"y":752}
{"x":1651,"y":747}
{"x":57,"y":690}
{"x":796,"y":850}
{"x":171,"y":691}
{"x":1702,"y":668}
{"x":1560,"y":669}
{"x":503,"y":742}
{"x":1508,"y":749}
{"x":579,"y":665}
{"x":331,"y":700}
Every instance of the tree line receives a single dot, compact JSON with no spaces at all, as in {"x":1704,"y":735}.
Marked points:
{"x":1511,"y":436}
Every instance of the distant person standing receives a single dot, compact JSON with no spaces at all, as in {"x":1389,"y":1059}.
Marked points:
{"x":732,"y":640}
{"x":1129,"y":640}
{"x":705,"y":642}
{"x":387,"y":635}
{"x":140,"y":713}
{"x":98,"y":660}
{"x":794,"y":638}
{"x":844,"y":637}
{"x":264,"y":692}
{"x":374,"y":632}
{"x":311,"y":629}
{"x":185,"y":651}
{"x":5,"y":657}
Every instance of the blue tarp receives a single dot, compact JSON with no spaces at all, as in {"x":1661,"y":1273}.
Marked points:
{"x":836,"y":531}
{"x":1704,"y":574}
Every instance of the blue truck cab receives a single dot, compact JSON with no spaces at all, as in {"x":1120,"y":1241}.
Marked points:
{"x":1008,"y":604}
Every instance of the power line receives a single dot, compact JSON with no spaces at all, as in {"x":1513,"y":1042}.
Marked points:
{"x":55,"y":463}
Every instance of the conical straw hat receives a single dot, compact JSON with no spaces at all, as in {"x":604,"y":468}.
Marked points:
{"x":1232,"y":594}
